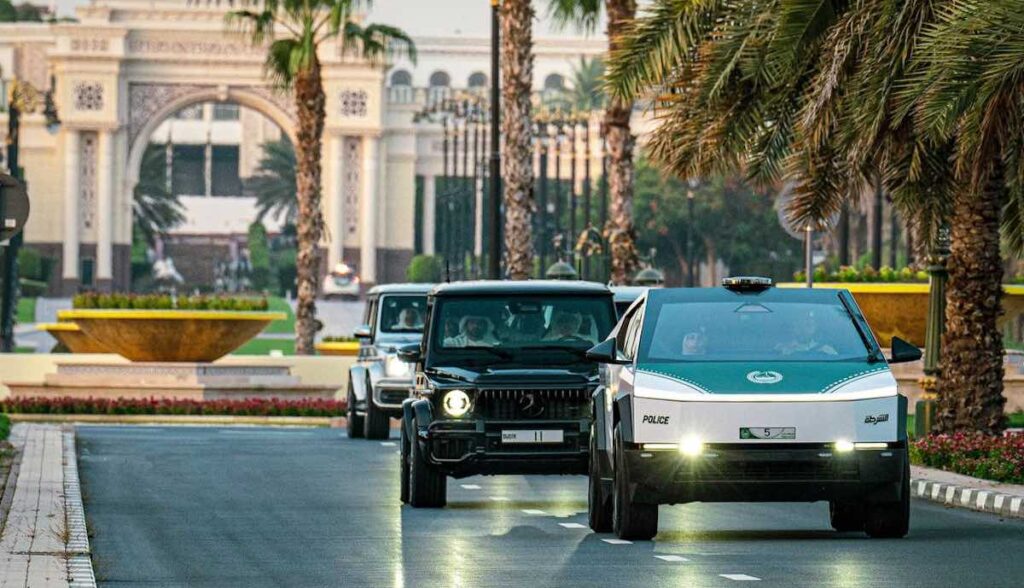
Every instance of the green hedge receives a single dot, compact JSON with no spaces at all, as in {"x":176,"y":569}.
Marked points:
{"x":166,"y":302}
{"x":850,"y":274}
{"x":5,"y":427}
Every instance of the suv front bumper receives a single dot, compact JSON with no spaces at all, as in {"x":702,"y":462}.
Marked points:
{"x":738,"y":473}
{"x":389,"y":393}
{"x":463,"y":448}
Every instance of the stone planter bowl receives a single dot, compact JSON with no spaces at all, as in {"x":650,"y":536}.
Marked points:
{"x":170,"y":335}
{"x":901,"y":310}
{"x":71,"y":336}
{"x":347,"y":348}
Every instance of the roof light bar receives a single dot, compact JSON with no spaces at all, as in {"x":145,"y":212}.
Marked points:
{"x":747,"y":283}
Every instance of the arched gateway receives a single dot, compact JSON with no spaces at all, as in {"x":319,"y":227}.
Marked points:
{"x":124,"y":68}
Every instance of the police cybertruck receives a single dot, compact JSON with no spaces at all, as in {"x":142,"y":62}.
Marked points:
{"x":748,"y":393}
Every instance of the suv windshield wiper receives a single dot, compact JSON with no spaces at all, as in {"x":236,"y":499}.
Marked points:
{"x":578,"y":351}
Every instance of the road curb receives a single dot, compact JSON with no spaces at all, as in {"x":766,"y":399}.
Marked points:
{"x":998,"y":503}
{"x":173,"y":419}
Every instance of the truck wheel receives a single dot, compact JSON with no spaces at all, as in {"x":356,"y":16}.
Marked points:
{"x":630,"y":520}
{"x":377,"y":423}
{"x":428,"y":488}
{"x":891,"y":519}
{"x":846,"y":516}
{"x":353,"y":422}
{"x":403,"y":482}
{"x":599,"y":505}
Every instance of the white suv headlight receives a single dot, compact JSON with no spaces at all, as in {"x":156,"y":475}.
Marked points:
{"x":396,"y":368}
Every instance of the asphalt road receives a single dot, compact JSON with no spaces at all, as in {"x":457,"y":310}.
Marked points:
{"x":173,"y":506}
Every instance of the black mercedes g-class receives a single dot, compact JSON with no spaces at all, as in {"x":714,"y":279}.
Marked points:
{"x":503,"y":385}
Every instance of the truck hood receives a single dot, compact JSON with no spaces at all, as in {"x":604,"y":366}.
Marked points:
{"x":496,"y":376}
{"x":743,"y":379}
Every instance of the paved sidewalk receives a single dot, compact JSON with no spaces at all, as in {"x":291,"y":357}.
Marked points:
{"x":43,"y":542}
{"x":966,"y":492}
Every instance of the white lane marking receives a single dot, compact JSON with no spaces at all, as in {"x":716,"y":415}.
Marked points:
{"x":997,"y":503}
{"x":982,"y":497}
{"x":572,"y":525}
{"x":671,"y":558}
{"x":617,"y":541}
{"x":1015,"y":505}
{"x":740,"y":577}
{"x":920,"y":488}
{"x":470,"y":486}
{"x":387,"y":443}
{"x":500,"y":498}
{"x":534,"y":512}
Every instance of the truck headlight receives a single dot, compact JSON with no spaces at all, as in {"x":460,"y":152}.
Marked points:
{"x":456,"y":403}
{"x":691,"y":446}
{"x":843,"y":446}
{"x":396,"y":368}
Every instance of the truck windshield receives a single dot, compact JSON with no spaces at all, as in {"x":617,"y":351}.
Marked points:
{"x":515,"y":325}
{"x":750,"y":331}
{"x":402,"y":314}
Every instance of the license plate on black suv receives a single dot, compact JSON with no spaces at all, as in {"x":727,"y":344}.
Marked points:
{"x":532,"y":436}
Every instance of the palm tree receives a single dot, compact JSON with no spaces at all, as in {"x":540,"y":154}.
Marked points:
{"x":809,"y":91}
{"x":516,"y":20}
{"x":293,"y":31}
{"x":155,"y":210}
{"x":587,"y":93}
{"x":620,"y":232}
{"x":968,"y":90}
{"x":274,"y":182}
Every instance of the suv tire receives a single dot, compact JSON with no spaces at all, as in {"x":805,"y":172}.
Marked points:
{"x":599,"y":504}
{"x":630,"y":520}
{"x":846,"y":515}
{"x":428,"y":488}
{"x":353,"y":422}
{"x":891,"y":520}
{"x":377,"y":423}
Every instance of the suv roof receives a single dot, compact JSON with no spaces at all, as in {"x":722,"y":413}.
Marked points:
{"x":400,"y":289}
{"x":532,"y":287}
{"x":725,"y":294}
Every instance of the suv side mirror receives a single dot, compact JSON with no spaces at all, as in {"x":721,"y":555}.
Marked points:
{"x":362,"y":332}
{"x":606,"y":352}
{"x":903,"y":352}
{"x":410,"y":353}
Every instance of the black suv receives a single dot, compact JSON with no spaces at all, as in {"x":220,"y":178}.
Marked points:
{"x":503,"y":385}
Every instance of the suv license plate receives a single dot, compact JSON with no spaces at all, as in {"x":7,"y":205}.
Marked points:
{"x":767,"y":432}
{"x":532,"y":436}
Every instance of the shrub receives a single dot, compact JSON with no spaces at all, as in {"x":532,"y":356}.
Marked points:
{"x":173,"y":406}
{"x":339,"y":339}
{"x":167,"y":302}
{"x":425,"y":269}
{"x":5,"y":427}
{"x":851,"y":274}
{"x":973,"y":454}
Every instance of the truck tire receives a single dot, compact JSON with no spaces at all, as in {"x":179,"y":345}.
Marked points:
{"x":599,"y":504}
{"x":630,"y":520}
{"x":846,"y":515}
{"x":428,"y":488}
{"x":353,"y":422}
{"x":377,"y":423}
{"x":891,"y":520}
{"x":403,"y":481}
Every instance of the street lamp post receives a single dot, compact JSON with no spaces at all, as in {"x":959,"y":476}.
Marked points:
{"x":494,"y":265}
{"x":690,"y":195}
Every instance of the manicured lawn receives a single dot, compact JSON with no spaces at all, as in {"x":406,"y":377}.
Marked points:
{"x":265,"y":346}
{"x":287,"y":325}
{"x":26,"y":311}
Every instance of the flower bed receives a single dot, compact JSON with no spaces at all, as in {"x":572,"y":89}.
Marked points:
{"x":1000,"y":459}
{"x":160,"y":406}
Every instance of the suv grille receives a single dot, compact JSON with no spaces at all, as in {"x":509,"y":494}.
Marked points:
{"x":537,"y":404}
{"x":736,"y":471}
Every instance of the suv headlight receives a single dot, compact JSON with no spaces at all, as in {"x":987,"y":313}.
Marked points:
{"x":456,"y":403}
{"x":396,"y":368}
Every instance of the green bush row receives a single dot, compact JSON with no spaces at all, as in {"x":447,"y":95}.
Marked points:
{"x":5,"y":427}
{"x":339,"y":339}
{"x":168,"y":302}
{"x":867,"y":274}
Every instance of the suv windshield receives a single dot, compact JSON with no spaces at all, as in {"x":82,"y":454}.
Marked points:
{"x":750,"y":331}
{"x":505,"y":326}
{"x":402,"y":314}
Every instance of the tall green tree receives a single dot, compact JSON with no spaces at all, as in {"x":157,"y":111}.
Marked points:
{"x":273,"y":184}
{"x":155,"y":210}
{"x":619,"y":140}
{"x":293,"y":32}
{"x":587,"y":92}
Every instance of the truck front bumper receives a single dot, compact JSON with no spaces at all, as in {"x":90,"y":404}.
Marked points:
{"x":738,"y":473}
{"x":389,"y":393}
{"x":463,"y":448}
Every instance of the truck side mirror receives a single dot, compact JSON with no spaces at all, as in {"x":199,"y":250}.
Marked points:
{"x":410,"y":353}
{"x":362,"y":332}
{"x":606,"y":352}
{"x":903,"y":352}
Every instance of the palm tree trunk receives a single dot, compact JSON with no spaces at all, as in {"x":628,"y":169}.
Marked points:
{"x":620,"y":231}
{"x":517,"y":170}
{"x":309,"y":102}
{"x":970,"y":384}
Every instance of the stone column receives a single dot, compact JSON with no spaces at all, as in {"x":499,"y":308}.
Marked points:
{"x":429,"y":213}
{"x":105,"y":211}
{"x":72,"y":196}
{"x":368,"y":222}
{"x":336,"y":193}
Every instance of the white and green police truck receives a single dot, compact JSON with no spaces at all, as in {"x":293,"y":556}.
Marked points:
{"x":748,"y":393}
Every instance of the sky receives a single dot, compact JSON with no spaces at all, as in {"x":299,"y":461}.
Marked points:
{"x":417,"y":17}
